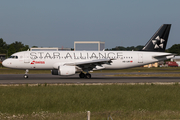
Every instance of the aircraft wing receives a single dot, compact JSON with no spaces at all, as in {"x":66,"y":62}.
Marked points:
{"x":91,"y":64}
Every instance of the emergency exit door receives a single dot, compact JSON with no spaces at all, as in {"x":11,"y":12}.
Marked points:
{"x":140,"y":58}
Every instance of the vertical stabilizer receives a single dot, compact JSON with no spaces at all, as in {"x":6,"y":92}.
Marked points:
{"x":159,"y":40}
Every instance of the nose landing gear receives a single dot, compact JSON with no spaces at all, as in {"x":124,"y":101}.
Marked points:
{"x":25,"y":75}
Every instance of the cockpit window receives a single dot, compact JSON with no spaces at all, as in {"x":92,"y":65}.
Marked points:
{"x":14,"y":57}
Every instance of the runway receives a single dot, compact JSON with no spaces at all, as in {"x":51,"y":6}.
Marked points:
{"x":96,"y":78}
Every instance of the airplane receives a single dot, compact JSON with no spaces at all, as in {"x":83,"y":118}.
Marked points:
{"x":66,"y":63}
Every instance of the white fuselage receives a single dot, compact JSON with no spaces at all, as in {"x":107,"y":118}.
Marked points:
{"x":53,"y":59}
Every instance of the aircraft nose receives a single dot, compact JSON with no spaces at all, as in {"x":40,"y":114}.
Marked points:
{"x":4,"y":63}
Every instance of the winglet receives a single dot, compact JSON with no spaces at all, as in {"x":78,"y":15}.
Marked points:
{"x":159,"y":40}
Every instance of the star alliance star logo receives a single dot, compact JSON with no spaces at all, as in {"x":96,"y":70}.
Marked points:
{"x":158,"y":42}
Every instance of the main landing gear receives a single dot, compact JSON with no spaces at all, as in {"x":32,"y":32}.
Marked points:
{"x":87,"y":75}
{"x":25,"y":75}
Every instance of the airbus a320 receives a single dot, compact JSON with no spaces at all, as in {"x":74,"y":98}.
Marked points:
{"x":66,"y":63}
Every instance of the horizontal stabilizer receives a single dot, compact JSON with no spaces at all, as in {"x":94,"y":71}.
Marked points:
{"x":167,"y":56}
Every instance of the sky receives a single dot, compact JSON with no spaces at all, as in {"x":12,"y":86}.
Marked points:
{"x":58,"y":23}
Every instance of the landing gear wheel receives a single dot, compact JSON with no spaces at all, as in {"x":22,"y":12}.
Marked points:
{"x":25,"y":76}
{"x":88,"y":76}
{"x":82,"y":75}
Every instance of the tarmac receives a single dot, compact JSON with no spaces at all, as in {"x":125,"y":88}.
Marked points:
{"x":96,"y":78}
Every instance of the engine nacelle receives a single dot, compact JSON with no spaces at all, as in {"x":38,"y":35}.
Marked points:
{"x":64,"y":70}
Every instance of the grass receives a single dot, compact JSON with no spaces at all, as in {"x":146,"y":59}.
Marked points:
{"x":136,"y":102}
{"x":121,"y":102}
{"x":17,"y":71}
{"x":142,"y":69}
{"x":137,"y":69}
{"x":146,"y":75}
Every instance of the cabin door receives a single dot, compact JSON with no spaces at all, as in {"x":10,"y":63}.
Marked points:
{"x":26,"y":58}
{"x":140,"y":58}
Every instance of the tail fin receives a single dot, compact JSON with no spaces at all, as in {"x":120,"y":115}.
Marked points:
{"x":159,"y":40}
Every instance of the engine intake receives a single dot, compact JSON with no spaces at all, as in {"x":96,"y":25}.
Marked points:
{"x":64,"y":70}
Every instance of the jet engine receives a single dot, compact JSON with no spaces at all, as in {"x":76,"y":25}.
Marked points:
{"x":64,"y":70}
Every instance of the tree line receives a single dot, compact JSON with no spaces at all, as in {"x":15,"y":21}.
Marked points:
{"x":9,"y":49}
{"x":121,"y":48}
{"x":19,"y":46}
